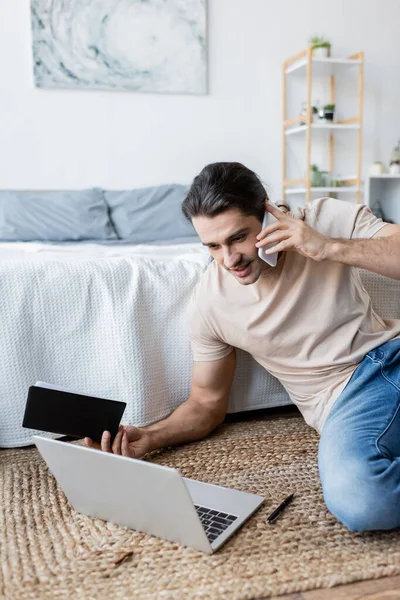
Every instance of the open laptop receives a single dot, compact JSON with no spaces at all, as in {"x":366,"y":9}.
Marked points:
{"x":147,"y":497}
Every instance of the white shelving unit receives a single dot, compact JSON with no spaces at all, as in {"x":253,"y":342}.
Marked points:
{"x":304,"y":64}
{"x":385,"y":188}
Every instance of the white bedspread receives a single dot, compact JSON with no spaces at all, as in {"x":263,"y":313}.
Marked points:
{"x":109,"y":320}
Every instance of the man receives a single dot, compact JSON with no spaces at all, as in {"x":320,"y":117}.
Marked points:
{"x":309,"y":322}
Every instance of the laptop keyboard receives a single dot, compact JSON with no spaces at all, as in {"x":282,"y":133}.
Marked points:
{"x":213,"y":521}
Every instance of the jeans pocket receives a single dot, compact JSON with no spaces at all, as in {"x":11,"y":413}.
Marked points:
{"x":388,"y":442}
{"x":391,"y":364}
{"x":388,"y":355}
{"x":377,"y":354}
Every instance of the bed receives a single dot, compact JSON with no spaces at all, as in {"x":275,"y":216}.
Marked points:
{"x":106,"y":315}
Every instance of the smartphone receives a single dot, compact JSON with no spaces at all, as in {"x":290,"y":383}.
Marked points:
{"x":71,"y":414}
{"x":271,"y":259}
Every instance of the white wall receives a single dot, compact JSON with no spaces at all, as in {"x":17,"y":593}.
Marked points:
{"x":52,"y":139}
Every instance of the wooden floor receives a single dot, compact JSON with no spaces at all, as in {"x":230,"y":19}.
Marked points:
{"x":387,"y":588}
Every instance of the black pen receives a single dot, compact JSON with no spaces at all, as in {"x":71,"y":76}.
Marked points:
{"x":280,"y":508}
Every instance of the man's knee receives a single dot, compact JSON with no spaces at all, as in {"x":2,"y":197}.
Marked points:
{"x":359,"y":497}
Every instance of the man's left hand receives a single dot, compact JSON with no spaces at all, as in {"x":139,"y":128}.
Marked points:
{"x":293,"y":234}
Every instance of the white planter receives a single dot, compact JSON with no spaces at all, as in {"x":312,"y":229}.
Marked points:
{"x":377,"y":168}
{"x":321,"y":52}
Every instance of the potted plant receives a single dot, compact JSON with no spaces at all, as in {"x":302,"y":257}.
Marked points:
{"x":317,"y":176}
{"x":320,"y":46}
{"x":329,"y":112}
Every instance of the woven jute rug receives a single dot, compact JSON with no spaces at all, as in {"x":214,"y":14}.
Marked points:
{"x":48,"y":551}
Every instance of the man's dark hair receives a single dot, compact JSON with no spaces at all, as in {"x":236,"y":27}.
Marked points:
{"x":222,"y":186}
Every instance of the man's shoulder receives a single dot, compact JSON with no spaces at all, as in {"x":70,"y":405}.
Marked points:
{"x":331,"y":216}
{"x":326,"y":205}
{"x":204,"y":297}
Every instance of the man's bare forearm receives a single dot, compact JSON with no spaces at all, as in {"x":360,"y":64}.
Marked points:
{"x":380,"y":255}
{"x":189,"y":422}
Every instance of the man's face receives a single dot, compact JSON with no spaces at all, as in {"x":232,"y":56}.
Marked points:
{"x":231,"y":240}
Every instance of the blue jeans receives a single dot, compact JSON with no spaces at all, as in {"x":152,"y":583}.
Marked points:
{"x":359,"y":449}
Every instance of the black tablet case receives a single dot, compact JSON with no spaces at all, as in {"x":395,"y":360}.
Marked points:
{"x":71,"y":414}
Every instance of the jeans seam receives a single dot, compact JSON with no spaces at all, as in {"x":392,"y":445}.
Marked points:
{"x":395,"y":412}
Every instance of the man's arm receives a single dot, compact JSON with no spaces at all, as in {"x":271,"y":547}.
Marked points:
{"x":380,"y":254}
{"x":205,"y":408}
{"x":202,"y":412}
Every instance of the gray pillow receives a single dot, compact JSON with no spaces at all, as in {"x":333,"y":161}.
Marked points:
{"x":54,"y":216}
{"x":149,"y":214}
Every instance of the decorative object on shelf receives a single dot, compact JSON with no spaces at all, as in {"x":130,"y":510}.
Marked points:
{"x":376,"y":209}
{"x":303,"y":112}
{"x":318,"y":178}
{"x":314,"y":113}
{"x":320,"y":46}
{"x":329,"y":112}
{"x":377,"y":168}
{"x":327,"y":178}
{"x":142,"y":46}
{"x":394,"y":166}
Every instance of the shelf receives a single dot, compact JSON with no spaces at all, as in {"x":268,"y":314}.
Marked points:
{"x":385,"y":176}
{"x":322,"y":66}
{"x":319,"y":190}
{"x":323,"y":126}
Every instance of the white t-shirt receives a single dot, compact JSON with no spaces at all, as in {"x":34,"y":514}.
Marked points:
{"x":307,"y":323}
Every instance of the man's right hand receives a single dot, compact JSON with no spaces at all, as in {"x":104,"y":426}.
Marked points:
{"x":191,"y":421}
{"x":129,"y":441}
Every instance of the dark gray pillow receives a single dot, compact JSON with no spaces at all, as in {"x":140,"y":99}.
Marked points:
{"x":151,"y":213}
{"x":54,"y":216}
